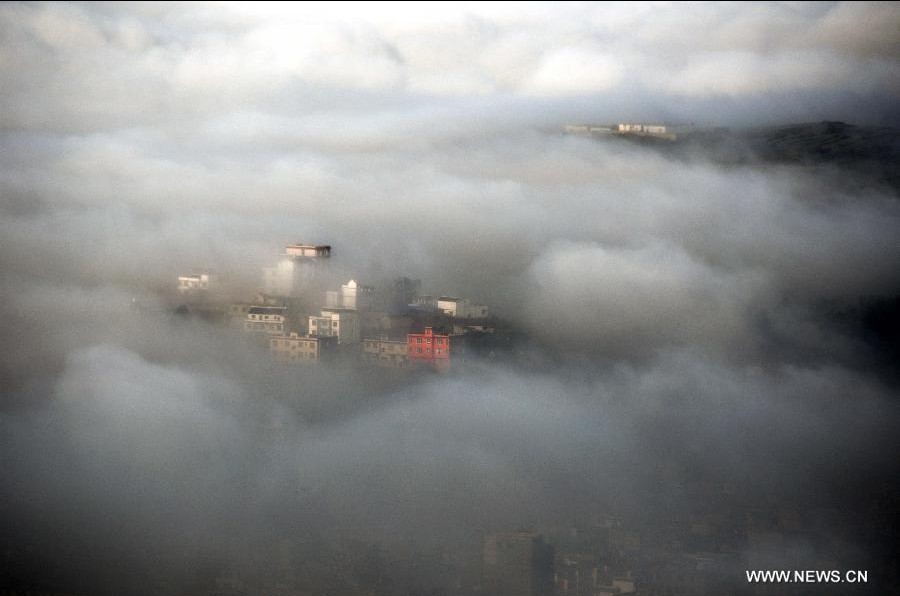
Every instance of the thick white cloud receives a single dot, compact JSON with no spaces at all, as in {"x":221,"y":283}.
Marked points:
{"x":71,"y":66}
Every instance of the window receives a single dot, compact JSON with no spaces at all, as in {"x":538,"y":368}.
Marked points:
{"x":418,"y":350}
{"x":437,"y":351}
{"x":428,"y":340}
{"x":418,"y":340}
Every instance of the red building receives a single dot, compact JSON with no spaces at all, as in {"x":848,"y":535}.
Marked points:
{"x":429,"y":348}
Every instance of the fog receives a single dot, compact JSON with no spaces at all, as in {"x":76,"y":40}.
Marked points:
{"x":682,"y":321}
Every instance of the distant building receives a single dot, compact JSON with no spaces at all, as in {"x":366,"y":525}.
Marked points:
{"x":669,"y":132}
{"x":337,"y":322}
{"x":425,"y":302}
{"x":397,"y":293}
{"x":589,"y":130}
{"x":265,"y":319}
{"x":298,"y":266}
{"x":352,"y":295}
{"x":193,"y":285}
{"x":236,"y":314}
{"x":385,"y":352}
{"x":517,"y":564}
{"x":303,"y":349}
{"x":660,"y":131}
{"x":316,"y":251}
{"x":429,"y":348}
{"x":461,"y":308}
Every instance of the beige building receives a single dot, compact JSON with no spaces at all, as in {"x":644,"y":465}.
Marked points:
{"x":304,"y":349}
{"x":338,"y":322}
{"x":385,"y":352}
{"x":265,"y":319}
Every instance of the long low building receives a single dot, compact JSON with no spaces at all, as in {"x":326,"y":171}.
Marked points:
{"x":304,"y":349}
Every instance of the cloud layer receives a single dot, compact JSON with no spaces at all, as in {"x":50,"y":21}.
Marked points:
{"x":681,"y":322}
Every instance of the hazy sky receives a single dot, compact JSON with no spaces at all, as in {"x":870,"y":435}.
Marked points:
{"x":707,"y":317}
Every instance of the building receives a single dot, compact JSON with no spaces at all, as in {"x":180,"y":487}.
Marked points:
{"x":338,"y":322}
{"x":425,"y":303}
{"x":461,"y":308}
{"x":385,"y":352}
{"x":352,"y":295}
{"x":588,"y":130}
{"x":265,"y":319}
{"x":193,"y":285}
{"x":299,"y":265}
{"x":517,"y":564}
{"x":304,"y":349}
{"x":236,"y":313}
{"x":313,"y":251}
{"x":658,"y":131}
{"x":397,"y":293}
{"x":429,"y":348}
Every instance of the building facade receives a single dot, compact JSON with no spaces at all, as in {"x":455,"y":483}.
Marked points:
{"x":265,"y":319}
{"x":303,"y":349}
{"x":386,"y":353}
{"x":352,"y":295}
{"x":429,"y":348}
{"x":338,"y":322}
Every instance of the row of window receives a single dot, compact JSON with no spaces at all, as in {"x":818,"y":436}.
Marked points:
{"x":263,"y":326}
{"x":439,"y":341}
{"x":437,"y":351}
{"x":293,"y":343}
{"x":313,"y":323}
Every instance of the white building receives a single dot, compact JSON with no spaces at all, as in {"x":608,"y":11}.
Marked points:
{"x":298,"y":266}
{"x":357,"y":296}
{"x":265,"y":319}
{"x":461,"y":308}
{"x":194,"y":284}
{"x":352,"y":295}
{"x":661,"y":131}
{"x":337,"y":322}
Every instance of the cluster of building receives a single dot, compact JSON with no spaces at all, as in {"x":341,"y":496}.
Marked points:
{"x":391,"y":325}
{"x":699,"y":553}
{"x":666,"y":132}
